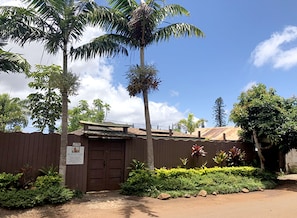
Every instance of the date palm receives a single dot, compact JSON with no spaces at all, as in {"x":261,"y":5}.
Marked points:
{"x":57,"y":24}
{"x":137,"y":26}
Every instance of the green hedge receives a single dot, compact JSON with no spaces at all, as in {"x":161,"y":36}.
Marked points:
{"x":180,"y":181}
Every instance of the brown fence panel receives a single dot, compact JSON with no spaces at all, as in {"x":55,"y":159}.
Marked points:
{"x":76,"y":175}
{"x":34,"y":150}
{"x":167,"y":152}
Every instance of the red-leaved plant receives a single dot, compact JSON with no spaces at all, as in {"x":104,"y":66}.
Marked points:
{"x":197,"y":151}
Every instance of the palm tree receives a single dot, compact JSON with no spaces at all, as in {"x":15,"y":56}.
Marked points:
{"x":57,"y":24}
{"x":13,"y":114}
{"x":11,"y":62}
{"x":189,"y":124}
{"x":138,"y":26}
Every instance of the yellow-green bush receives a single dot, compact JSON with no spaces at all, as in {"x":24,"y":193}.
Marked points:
{"x":178,"y":181}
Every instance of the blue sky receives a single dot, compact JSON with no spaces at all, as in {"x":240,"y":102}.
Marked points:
{"x":246,"y":42}
{"x":196,"y":71}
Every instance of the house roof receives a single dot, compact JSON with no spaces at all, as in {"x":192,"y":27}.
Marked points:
{"x":218,"y":133}
{"x":112,"y":130}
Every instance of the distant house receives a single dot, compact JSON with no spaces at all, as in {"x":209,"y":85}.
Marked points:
{"x":218,"y":133}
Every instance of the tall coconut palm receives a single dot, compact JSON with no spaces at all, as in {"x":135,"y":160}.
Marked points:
{"x":57,"y":24}
{"x":138,"y":26}
{"x":12,"y":62}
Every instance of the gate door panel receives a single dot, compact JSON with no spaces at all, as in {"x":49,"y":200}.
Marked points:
{"x":105,"y":164}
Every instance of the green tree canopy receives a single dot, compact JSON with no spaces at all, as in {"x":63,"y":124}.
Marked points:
{"x":83,"y":112}
{"x":13,"y":114}
{"x":45,"y":104}
{"x":261,"y":114}
{"x":219,"y":112}
{"x":190,"y":124}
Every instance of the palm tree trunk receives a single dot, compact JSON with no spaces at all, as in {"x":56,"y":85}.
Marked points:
{"x":259,"y":150}
{"x":64,"y":133}
{"x":149,"y":138}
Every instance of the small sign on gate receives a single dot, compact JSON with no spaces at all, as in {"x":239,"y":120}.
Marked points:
{"x":75,"y":154}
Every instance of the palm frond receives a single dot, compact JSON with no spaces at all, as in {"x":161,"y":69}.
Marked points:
{"x":125,"y":6}
{"x":110,"y":19}
{"x":16,"y":24}
{"x":11,"y":62}
{"x":47,"y":8}
{"x":102,"y":46}
{"x":176,"y":30}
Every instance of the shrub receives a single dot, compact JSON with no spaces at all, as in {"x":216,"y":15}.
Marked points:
{"x":220,"y":158}
{"x":18,"y":199}
{"x":137,"y":165}
{"x":236,"y":157}
{"x":49,"y":171}
{"x":138,"y":183}
{"x":47,"y":190}
{"x":45,"y":182}
{"x":9,"y":181}
{"x":26,"y":179}
{"x":58,"y":195}
{"x":179,"y":181}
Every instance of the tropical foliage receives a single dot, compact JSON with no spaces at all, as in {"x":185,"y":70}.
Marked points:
{"x":83,"y":112}
{"x":57,"y":24}
{"x":46,"y":189}
{"x":137,"y":26}
{"x":45,"y":104}
{"x":179,"y":182}
{"x":266,"y":118}
{"x":13,"y":114}
{"x":189,"y":124}
{"x":12,"y":62}
{"x":198,"y":150}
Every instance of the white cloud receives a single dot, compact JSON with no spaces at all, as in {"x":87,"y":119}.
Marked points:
{"x":96,"y":81}
{"x":10,"y":3}
{"x":174,"y":93}
{"x":249,"y":86}
{"x":280,"y":50}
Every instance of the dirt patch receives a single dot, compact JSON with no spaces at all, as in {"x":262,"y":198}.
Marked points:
{"x":279,"y":202}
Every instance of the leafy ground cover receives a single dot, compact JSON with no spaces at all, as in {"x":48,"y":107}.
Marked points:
{"x":179,"y":181}
{"x":18,"y":192}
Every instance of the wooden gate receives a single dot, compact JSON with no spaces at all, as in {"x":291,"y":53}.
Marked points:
{"x":106,"y":162}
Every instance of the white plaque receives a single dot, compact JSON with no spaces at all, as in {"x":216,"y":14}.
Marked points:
{"x":75,"y":155}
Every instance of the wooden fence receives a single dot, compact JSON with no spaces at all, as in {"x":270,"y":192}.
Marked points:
{"x":37,"y":150}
